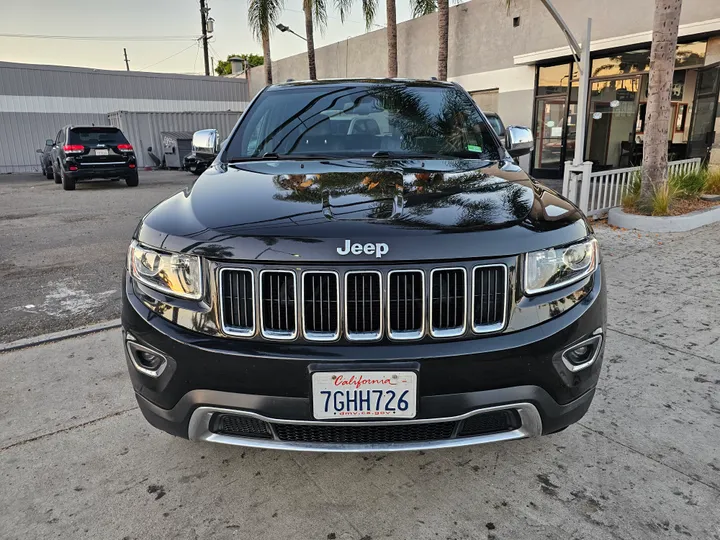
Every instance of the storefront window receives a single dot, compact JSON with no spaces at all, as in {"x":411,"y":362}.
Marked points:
{"x":553,"y":79}
{"x":625,"y":63}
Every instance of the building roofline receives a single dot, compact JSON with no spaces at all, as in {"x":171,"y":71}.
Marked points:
{"x":124,"y":73}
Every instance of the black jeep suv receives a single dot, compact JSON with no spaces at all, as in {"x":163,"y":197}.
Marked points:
{"x":364,"y":267}
{"x":85,"y":152}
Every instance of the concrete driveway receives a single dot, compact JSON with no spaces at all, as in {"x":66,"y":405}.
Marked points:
{"x":62,"y":252}
{"x":77,"y":460}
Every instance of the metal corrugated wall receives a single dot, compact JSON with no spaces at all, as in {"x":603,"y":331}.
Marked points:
{"x":22,"y":133}
{"x":143,"y":129}
{"x":36,"y":101}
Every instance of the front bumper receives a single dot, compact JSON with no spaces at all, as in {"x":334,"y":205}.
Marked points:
{"x":521,"y":371}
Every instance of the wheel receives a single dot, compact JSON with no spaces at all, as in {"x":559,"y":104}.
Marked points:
{"x":132,"y":180}
{"x":48,"y":173}
{"x":56,"y":176}
{"x":67,"y":182}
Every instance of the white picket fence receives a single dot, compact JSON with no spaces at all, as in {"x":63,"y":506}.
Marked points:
{"x":596,"y":192}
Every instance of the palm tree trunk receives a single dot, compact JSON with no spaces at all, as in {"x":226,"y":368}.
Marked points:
{"x":657,"y":116}
{"x":392,"y":39}
{"x":443,"y":23}
{"x":307,"y":8}
{"x":266,"y":57}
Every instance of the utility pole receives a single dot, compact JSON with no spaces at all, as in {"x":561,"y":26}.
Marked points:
{"x":127,"y":62}
{"x":203,"y":20}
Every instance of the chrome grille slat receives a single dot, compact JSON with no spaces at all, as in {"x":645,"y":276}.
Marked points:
{"x":237,"y":297}
{"x":278,"y":317}
{"x":320,"y":305}
{"x":406,"y":304}
{"x":363,"y":307}
{"x":489,"y":298}
{"x":448,"y":301}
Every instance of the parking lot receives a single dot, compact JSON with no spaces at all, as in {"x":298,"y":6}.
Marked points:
{"x":77,"y":460}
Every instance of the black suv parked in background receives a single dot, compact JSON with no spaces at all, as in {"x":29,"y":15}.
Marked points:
{"x":85,"y":152}
{"x":363,"y":267}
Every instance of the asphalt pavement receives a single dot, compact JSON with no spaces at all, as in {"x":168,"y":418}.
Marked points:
{"x":62,"y":252}
{"x":77,"y":459}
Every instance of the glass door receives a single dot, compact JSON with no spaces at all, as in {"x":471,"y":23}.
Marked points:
{"x":702,"y":128}
{"x":611,"y":122}
{"x":550,"y":120}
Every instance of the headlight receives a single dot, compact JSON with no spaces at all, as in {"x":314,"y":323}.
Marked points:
{"x":172,"y":273}
{"x":551,"y":269}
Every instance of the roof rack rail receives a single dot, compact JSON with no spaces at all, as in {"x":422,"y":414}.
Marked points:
{"x":433,"y":78}
{"x":290,"y":80}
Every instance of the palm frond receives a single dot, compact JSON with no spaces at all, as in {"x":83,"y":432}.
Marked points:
{"x":344,"y":7}
{"x":423,"y":7}
{"x":263,"y":15}
{"x":319,"y":14}
{"x":369,"y":9}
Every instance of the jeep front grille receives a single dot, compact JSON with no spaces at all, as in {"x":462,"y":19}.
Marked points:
{"x":448,"y":302}
{"x":277,"y":304}
{"x":321,"y":312}
{"x":363,"y":305}
{"x":237,"y":301}
{"x":406,"y":304}
{"x":489,"y":298}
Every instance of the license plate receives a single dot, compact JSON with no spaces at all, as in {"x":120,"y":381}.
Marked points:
{"x":364,"y":394}
{"x":100,"y":152}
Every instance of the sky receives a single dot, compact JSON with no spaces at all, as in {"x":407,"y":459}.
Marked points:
{"x":174,"y":26}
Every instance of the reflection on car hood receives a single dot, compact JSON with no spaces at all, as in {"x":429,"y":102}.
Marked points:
{"x":285,"y":210}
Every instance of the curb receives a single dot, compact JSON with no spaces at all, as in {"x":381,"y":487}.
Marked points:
{"x":59,"y":336}
{"x":662,"y":224}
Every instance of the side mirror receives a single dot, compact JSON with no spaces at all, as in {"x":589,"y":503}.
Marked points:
{"x":49,"y":142}
{"x":205,"y":141}
{"x":149,"y":148}
{"x":518,"y":140}
{"x":39,"y":151}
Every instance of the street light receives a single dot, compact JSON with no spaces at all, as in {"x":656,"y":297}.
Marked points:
{"x":283,"y":28}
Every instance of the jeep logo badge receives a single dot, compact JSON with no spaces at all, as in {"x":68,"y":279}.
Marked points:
{"x":368,"y":249}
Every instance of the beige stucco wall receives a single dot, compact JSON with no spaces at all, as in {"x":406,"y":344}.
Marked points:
{"x":482,"y":37}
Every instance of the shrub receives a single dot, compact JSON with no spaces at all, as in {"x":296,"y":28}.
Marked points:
{"x":712,"y":183}
{"x":661,"y":200}
{"x":631,"y":195}
{"x":690,"y":184}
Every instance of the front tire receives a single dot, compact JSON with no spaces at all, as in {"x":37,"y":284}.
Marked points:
{"x":67,"y":182}
{"x":132,"y":180}
{"x":49,"y":173}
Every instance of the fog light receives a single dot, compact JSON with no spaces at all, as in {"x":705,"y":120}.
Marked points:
{"x":583,"y":354}
{"x":145,"y":360}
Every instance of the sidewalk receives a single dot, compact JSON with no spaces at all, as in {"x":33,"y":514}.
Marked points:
{"x":78,"y":460}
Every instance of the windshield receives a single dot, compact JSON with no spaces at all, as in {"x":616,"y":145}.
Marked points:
{"x":361,"y":120}
{"x":496,"y":124}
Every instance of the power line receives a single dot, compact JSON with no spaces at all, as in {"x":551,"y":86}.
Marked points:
{"x":172,"y":56}
{"x":101,"y":38}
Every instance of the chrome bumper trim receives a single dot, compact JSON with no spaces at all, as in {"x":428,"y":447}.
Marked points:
{"x":199,"y":430}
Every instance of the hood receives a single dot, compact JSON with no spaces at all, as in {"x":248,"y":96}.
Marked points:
{"x":306,"y":210}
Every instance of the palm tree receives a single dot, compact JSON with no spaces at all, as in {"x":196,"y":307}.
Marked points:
{"x":443,"y":24}
{"x":263,"y":15}
{"x":657,"y":117}
{"x":316,"y":8}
